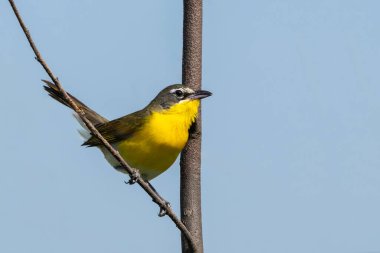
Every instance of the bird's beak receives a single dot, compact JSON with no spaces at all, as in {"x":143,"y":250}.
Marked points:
{"x":199,"y":94}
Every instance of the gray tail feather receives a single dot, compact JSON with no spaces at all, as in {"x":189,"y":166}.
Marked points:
{"x":90,"y":114}
{"x":54,"y":92}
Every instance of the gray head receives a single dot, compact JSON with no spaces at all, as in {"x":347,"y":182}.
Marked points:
{"x":176,"y":93}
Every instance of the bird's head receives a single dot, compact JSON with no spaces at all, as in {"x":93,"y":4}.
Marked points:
{"x":176,"y":94}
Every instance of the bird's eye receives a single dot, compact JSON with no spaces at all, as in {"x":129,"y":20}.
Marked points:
{"x":179,"y":93}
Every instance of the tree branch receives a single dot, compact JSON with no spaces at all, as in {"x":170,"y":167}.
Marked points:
{"x":133,"y":173}
{"x":191,"y":213}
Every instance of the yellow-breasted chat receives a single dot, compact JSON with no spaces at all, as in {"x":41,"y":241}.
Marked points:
{"x":150,"y":139}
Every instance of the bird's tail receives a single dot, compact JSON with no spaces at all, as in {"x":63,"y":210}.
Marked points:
{"x":90,"y":114}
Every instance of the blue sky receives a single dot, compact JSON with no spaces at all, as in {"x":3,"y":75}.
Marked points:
{"x":291,"y":145}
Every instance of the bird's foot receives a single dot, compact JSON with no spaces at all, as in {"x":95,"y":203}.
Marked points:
{"x":134,"y":177}
{"x":163,"y":211}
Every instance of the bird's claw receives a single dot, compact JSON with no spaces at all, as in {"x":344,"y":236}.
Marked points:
{"x":134,"y":177}
{"x":163,"y":211}
{"x":132,"y":181}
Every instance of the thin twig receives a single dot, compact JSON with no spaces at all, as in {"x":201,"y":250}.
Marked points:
{"x":135,"y":176}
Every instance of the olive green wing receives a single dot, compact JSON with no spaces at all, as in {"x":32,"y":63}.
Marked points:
{"x":119,"y":129}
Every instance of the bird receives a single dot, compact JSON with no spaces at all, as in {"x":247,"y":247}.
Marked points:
{"x":150,"y":139}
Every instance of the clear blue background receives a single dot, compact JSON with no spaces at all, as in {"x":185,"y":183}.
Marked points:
{"x":291,"y":145}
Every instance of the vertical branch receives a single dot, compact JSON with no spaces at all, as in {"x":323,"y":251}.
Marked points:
{"x":191,"y":156}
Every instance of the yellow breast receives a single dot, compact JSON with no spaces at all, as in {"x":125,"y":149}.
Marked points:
{"x":156,"y":146}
